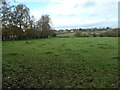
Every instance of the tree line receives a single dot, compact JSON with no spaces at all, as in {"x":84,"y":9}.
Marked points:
{"x":17,"y":23}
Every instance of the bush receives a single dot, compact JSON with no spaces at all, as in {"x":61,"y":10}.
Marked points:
{"x":52,"y":33}
{"x":30,"y":33}
{"x":78,"y":34}
{"x":94,"y":35}
{"x":11,"y":32}
{"x":63,"y":36}
{"x":112,"y":33}
{"x":85,"y":35}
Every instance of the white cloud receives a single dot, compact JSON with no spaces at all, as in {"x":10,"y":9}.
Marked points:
{"x":73,"y":12}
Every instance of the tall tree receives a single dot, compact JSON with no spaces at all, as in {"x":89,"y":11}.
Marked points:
{"x":21,"y":16}
{"x":44,"y":25}
{"x":13,"y":17}
{"x":32,"y":22}
{"x":6,"y":13}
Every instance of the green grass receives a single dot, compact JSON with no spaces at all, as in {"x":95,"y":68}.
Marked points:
{"x":61,"y":63}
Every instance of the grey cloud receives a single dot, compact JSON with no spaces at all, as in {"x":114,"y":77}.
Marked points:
{"x":89,"y":4}
{"x":102,"y":24}
{"x":77,"y":5}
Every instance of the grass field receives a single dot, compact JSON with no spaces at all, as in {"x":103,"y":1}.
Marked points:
{"x":61,"y":63}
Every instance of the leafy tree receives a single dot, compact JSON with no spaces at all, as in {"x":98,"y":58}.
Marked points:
{"x":32,"y":22}
{"x":11,"y":32}
{"x":30,"y":33}
{"x":18,"y":24}
{"x":6,"y":14}
{"x":14,"y":20}
{"x":44,"y":25}
{"x":21,"y":16}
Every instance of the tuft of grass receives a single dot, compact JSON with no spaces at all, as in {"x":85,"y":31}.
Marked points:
{"x":84,"y":50}
{"x":117,"y":58}
{"x":102,"y":47}
{"x":68,"y":49}
{"x":13,"y":53}
{"x":91,"y":45}
{"x":27,"y":42}
{"x":43,"y":44}
{"x":102,"y":44}
{"x":48,"y":52}
{"x":56,"y":54}
{"x":63,"y":45}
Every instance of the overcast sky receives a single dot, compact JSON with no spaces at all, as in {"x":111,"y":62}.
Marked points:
{"x":76,"y":13}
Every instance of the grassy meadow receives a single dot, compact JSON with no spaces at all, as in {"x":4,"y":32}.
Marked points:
{"x":61,"y":63}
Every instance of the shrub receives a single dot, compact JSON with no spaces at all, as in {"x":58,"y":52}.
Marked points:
{"x":11,"y":32}
{"x":30,"y":33}
{"x":85,"y":35}
{"x":94,"y":35}
{"x":52,"y":33}
{"x":112,"y":33}
{"x":78,"y":34}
